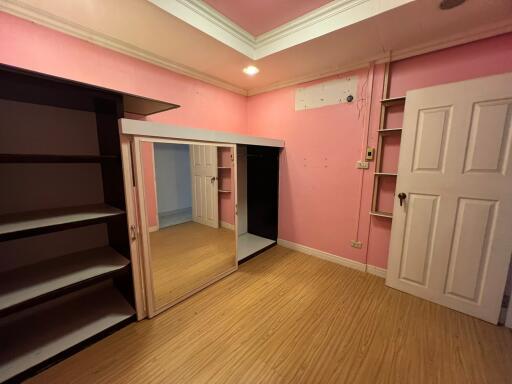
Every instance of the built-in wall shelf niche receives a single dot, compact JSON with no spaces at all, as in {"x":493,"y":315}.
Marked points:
{"x":65,"y":275}
{"x":381,"y":214}
{"x":385,"y":174}
{"x":390,"y":101}
{"x":389,"y":131}
{"x":388,"y":146}
{"x":225,"y":164}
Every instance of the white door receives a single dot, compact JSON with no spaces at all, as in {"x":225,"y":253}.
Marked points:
{"x":451,"y":240}
{"x":205,"y":191}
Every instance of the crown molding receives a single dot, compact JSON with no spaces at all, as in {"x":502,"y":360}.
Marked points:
{"x":38,"y":16}
{"x":20,"y":9}
{"x":206,"y":19}
{"x":317,"y":75}
{"x":494,"y":29}
{"x":475,"y":34}
{"x":328,"y":18}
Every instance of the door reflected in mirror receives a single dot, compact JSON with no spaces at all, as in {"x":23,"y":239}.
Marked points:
{"x":189,"y":201}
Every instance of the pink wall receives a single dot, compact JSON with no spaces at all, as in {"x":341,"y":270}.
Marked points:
{"x":28,"y":45}
{"x":320,"y":188}
{"x":482,"y":58}
{"x":324,"y":200}
{"x":261,"y":16}
{"x":320,"y":203}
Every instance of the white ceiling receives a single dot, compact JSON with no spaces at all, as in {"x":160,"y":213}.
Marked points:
{"x":141,"y":29}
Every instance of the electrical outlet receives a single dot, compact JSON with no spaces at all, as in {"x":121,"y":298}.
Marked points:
{"x":356,"y":244}
{"x":362,"y":165}
{"x":370,"y":152}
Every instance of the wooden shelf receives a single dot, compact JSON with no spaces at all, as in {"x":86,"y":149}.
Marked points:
{"x":224,"y":167}
{"x":249,"y":244}
{"x":18,"y":225}
{"x":22,"y":286}
{"x":31,"y":337}
{"x":382,"y":214}
{"x":385,"y":174}
{"x":37,"y":88}
{"x":393,"y":101}
{"x":389,"y":131}
{"x":144,"y":106}
{"x":41,"y":158}
{"x":224,"y":191}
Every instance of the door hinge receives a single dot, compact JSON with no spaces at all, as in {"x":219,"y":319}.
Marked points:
{"x":133,"y":232}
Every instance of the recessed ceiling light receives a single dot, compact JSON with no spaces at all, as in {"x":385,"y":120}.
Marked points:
{"x":251,"y":70}
{"x":449,"y":4}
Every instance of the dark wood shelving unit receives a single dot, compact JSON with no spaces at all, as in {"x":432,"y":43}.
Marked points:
{"x":57,"y":299}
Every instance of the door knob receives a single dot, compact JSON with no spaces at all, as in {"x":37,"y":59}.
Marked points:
{"x":402,"y":197}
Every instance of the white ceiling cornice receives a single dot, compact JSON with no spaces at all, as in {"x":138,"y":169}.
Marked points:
{"x":203,"y":17}
{"x":328,"y":18}
{"x":401,"y":54}
{"x":38,"y":16}
{"x":28,"y":12}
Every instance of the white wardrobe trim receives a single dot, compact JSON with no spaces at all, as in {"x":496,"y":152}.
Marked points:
{"x":153,"y":129}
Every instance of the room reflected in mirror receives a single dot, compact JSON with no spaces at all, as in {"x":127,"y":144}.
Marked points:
{"x":190,"y":215}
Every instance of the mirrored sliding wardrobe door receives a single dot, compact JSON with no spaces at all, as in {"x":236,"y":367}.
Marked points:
{"x":186,"y":197}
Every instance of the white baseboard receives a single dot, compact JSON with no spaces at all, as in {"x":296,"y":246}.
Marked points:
{"x":322,"y":255}
{"x":227,"y":225}
{"x":381,"y":272}
{"x":377,"y":271}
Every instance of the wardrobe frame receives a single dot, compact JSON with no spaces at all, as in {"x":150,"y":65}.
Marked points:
{"x":144,"y":284}
{"x":132,"y":133}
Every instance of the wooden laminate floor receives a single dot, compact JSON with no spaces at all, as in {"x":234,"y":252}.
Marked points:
{"x":285,"y":317}
{"x":188,"y":255}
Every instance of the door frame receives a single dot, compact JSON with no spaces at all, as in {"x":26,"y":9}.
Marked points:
{"x":157,"y":217}
{"x":145,"y":247}
{"x":138,"y":271}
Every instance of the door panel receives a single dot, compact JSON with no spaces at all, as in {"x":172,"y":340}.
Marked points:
{"x":203,"y":164}
{"x":489,"y":138}
{"x":419,"y":237}
{"x":450,"y":241}
{"x":430,"y":145}
{"x":470,"y":248}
